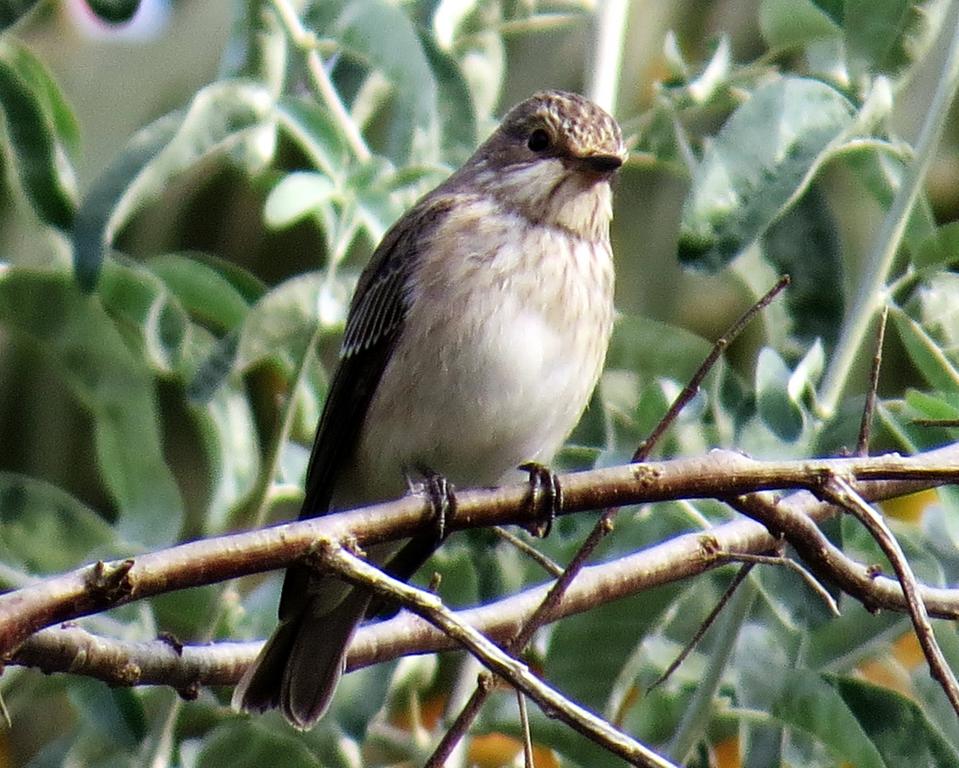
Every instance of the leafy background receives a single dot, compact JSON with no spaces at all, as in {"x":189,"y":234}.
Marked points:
{"x":183,"y":217}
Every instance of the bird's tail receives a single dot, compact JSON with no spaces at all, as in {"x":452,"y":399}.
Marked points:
{"x":300,"y":665}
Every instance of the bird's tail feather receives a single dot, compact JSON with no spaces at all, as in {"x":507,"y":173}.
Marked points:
{"x":300,"y":665}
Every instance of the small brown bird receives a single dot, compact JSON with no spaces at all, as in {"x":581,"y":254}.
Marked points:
{"x":474,"y":340}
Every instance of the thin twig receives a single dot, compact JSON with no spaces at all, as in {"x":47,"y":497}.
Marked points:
{"x":349,"y":567}
{"x":787,"y":562}
{"x":840,"y":492}
{"x":547,"y":564}
{"x":305,"y":40}
{"x":542,"y":615}
{"x":527,"y":736}
{"x":935,"y":422}
{"x":741,"y":574}
{"x":462,"y":723}
{"x":865,"y":426}
{"x":749,"y":560}
{"x":692,"y":387}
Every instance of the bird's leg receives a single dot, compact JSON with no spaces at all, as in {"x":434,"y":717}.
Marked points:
{"x":439,"y":492}
{"x":441,"y":496}
{"x":545,"y":497}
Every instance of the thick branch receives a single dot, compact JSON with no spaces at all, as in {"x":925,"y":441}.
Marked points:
{"x":73,"y":650}
{"x":720,"y":474}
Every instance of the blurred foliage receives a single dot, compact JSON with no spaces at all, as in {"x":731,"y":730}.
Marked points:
{"x":171,"y":261}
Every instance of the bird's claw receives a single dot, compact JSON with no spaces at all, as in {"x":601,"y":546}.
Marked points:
{"x":545,"y":497}
{"x":440,"y":494}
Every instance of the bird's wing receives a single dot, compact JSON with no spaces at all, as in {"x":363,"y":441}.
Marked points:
{"x":375,"y":319}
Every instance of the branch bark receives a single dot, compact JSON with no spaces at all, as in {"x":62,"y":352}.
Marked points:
{"x":794,"y":517}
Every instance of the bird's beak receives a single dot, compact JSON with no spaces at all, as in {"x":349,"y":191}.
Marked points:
{"x":600,"y":164}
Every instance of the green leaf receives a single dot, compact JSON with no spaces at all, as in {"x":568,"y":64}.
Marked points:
{"x":315,"y":132}
{"x":33,"y":514}
{"x":925,"y":353}
{"x":898,"y":728}
{"x":286,"y":318}
{"x":809,"y":703}
{"x":940,"y":248}
{"x":115,"y":715}
{"x":455,"y":103}
{"x":201,"y":289}
{"x":938,"y":302}
{"x":232,"y":118}
{"x":790,"y":23}
{"x":148,"y":313}
{"x":888,"y":36}
{"x":40,"y":162}
{"x":252,"y":744}
{"x":83,"y":343}
{"x":637,"y":345}
{"x":380,"y":34}
{"x":806,"y":375}
{"x":880,"y":167}
{"x":297,"y":196}
{"x":228,"y":435}
{"x":776,"y":407}
{"x":277,"y":328}
{"x":41,"y":83}
{"x":833,"y":644}
{"x":91,"y":229}
{"x":808,"y":228}
{"x":257,"y":48}
{"x":761,"y":161}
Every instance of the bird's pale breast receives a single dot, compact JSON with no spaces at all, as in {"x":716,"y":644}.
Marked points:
{"x":504,"y":340}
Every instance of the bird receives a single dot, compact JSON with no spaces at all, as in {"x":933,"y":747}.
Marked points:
{"x":474,"y":339}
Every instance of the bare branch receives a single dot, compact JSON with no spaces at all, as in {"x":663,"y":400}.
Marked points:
{"x":741,"y":574}
{"x":692,"y":387}
{"x":865,"y":425}
{"x":723,"y":474}
{"x":530,"y":551}
{"x":427,"y":605}
{"x":122,"y":663}
{"x":840,"y":492}
{"x":787,"y":562}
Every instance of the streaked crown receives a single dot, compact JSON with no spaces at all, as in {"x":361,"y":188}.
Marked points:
{"x":551,"y":161}
{"x":578,"y":127}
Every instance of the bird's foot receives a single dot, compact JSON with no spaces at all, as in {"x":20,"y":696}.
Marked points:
{"x":545,"y":497}
{"x":440,"y":494}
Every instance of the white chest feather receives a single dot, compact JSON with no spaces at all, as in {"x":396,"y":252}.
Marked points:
{"x":502,"y":345}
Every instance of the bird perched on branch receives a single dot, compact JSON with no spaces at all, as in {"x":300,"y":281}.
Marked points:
{"x":474,"y":340}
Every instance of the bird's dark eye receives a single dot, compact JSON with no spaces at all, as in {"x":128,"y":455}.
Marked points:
{"x":539,"y":140}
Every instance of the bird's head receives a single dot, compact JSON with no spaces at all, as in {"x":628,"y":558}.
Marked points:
{"x":551,"y":159}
